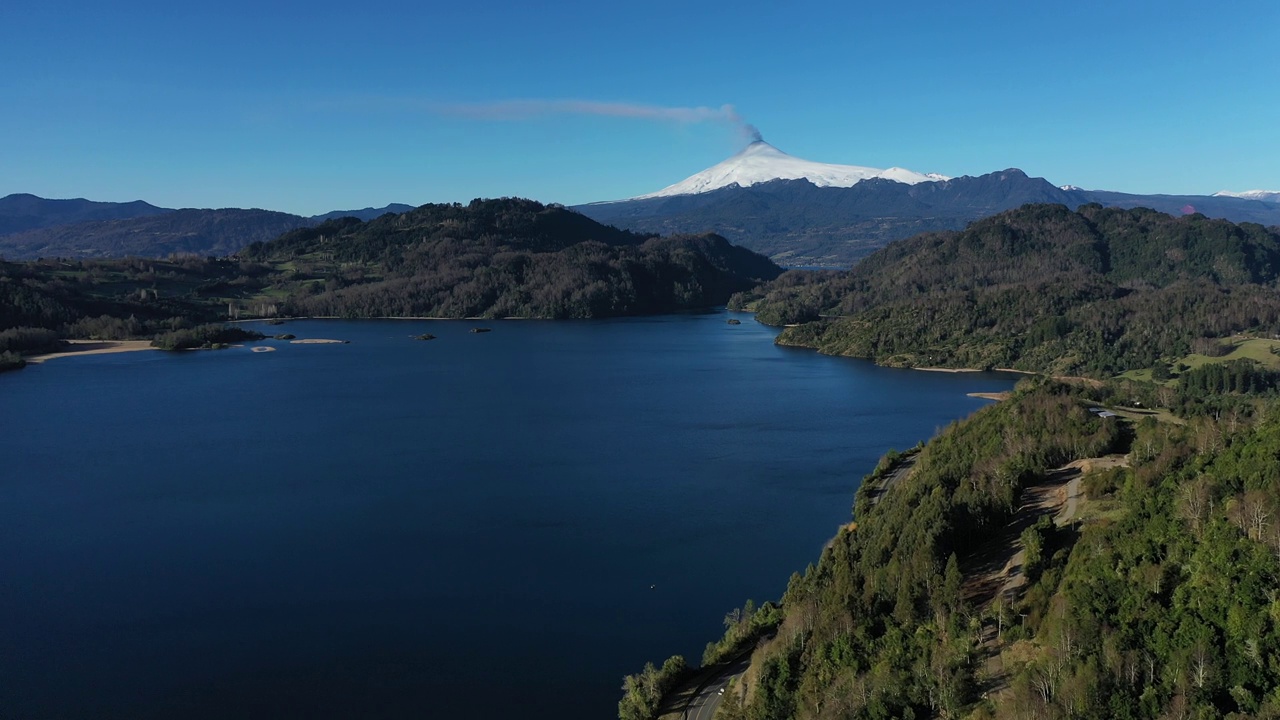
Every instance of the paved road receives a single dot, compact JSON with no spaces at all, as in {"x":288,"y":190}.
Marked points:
{"x":703,"y":706}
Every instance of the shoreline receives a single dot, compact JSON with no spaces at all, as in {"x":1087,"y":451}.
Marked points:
{"x":973,"y":370}
{"x":474,"y":318}
{"x":91,"y":347}
{"x":469,"y":318}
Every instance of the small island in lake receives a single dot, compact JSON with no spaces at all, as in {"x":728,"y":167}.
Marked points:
{"x":205,"y":337}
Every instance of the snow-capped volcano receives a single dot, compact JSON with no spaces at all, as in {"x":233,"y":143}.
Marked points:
{"x":1263,"y":195}
{"x":762,"y":162}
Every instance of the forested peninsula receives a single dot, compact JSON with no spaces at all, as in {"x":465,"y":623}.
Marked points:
{"x":1102,"y":544}
{"x":1096,"y":292}
{"x":490,"y":258}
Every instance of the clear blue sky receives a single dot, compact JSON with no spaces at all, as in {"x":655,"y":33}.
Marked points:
{"x":308,"y":107}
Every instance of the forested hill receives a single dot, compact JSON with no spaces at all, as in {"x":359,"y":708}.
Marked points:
{"x":491,"y":258}
{"x":971,"y":587}
{"x":1097,"y":292}
{"x":501,"y":258}
{"x":506,"y":223}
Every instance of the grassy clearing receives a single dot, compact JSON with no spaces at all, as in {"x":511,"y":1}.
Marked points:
{"x":1105,"y":509}
{"x":1243,"y":348}
{"x":1143,"y":375}
{"x":1137,"y":415}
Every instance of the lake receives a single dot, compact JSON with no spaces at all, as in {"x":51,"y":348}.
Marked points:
{"x":485,"y":525}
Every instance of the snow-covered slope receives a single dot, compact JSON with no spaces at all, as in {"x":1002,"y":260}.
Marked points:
{"x":762,"y":162}
{"x":1263,"y":195}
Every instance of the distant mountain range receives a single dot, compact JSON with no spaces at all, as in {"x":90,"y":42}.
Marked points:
{"x":21,"y":212}
{"x":797,"y":223}
{"x":365,"y":214}
{"x":1263,"y":195}
{"x":32,"y":227}
{"x":797,"y":212}
{"x":195,"y":232}
{"x":801,"y":213}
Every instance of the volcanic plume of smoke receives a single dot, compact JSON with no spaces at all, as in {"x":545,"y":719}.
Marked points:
{"x":526,"y":109}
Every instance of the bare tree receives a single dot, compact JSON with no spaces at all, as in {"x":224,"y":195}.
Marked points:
{"x":1252,"y":514}
{"x":1201,"y":665}
{"x":1196,"y":497}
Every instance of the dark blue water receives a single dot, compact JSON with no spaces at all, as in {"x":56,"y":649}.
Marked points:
{"x":492,"y":525}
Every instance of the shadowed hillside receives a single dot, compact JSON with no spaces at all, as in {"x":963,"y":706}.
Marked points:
{"x":189,"y":231}
{"x":499,"y":258}
{"x":22,"y":211}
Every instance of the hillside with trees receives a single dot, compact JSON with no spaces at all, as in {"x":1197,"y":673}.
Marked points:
{"x":1156,"y":599}
{"x":501,"y":258}
{"x":1041,"y":288}
{"x":491,"y":258}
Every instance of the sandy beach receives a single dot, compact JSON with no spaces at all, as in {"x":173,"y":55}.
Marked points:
{"x":990,"y":395}
{"x":968,"y":370}
{"x":92,"y":347}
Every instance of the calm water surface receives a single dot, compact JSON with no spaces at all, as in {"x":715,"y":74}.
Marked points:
{"x":491,"y":525}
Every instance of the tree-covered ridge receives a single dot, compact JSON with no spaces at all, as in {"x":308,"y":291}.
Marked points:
{"x":85,"y":298}
{"x":501,"y":258}
{"x":504,"y":223}
{"x":1172,"y":607}
{"x":43,"y":301}
{"x":1042,"y":288}
{"x":878,"y":627}
{"x":492,"y":258}
{"x":1162,"y":603}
